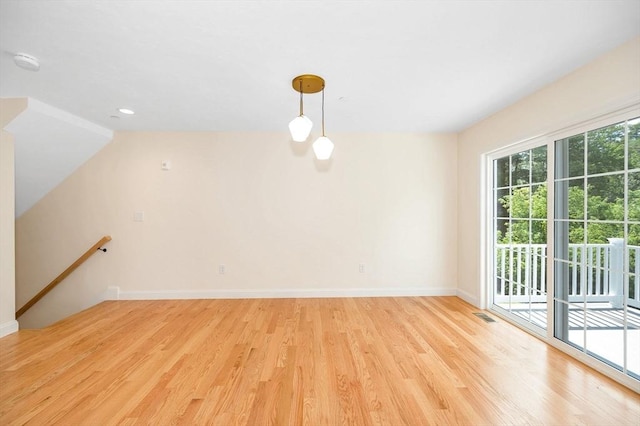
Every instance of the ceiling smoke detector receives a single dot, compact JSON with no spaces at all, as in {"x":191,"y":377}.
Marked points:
{"x":26,"y":62}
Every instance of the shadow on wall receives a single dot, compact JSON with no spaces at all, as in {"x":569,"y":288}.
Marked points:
{"x":301,"y":149}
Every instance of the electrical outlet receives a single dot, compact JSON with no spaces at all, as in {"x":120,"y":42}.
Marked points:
{"x":221,"y":269}
{"x":361,"y":268}
{"x":138,"y":216}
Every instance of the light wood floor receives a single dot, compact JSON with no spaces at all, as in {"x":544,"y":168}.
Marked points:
{"x":395,"y":361}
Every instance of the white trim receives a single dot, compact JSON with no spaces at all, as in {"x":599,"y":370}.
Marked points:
{"x":486,"y":241}
{"x":283,"y":293}
{"x":111,"y":293}
{"x":529,"y":327}
{"x":601,"y":113}
{"x":551,"y":281}
{"x":514,"y":148}
{"x":8,"y":328}
{"x":469,"y":298}
{"x":596,"y":122}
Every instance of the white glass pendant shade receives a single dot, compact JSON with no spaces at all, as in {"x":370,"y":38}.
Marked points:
{"x":300,"y":127}
{"x":323,"y":147}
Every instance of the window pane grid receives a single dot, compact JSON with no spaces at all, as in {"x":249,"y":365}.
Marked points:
{"x":519,"y":217}
{"x":595,"y":224}
{"x":616,"y":173}
{"x":596,"y":233}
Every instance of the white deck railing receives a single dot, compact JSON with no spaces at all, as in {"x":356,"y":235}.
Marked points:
{"x":596,"y":273}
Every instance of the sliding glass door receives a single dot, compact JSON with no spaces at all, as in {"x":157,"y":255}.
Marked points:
{"x":564,"y":253}
{"x":597,"y":243}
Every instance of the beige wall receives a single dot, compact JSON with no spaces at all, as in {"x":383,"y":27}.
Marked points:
{"x":9,"y":109}
{"x":609,"y":82}
{"x":406,"y":206}
{"x":280,"y":223}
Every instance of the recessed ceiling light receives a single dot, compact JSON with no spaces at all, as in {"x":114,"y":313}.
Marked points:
{"x":126,"y":111}
{"x":26,"y":62}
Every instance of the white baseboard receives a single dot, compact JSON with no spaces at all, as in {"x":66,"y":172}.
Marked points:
{"x":8,"y":328}
{"x":280,"y":293}
{"x":468,"y":297}
{"x":111,"y":293}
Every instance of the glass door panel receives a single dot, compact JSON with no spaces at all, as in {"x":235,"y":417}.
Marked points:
{"x":519,"y":216}
{"x":597,"y":243}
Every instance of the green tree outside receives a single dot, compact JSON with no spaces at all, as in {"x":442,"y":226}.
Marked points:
{"x":601,"y":197}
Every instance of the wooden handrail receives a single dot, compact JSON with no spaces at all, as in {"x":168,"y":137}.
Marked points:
{"x":63,"y":275}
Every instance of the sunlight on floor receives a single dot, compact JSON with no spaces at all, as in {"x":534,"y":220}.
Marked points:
{"x":604,"y":332}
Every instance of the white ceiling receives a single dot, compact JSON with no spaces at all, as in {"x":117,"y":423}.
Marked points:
{"x":389,"y":66}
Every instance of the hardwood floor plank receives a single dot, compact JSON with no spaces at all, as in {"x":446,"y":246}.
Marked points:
{"x":360,"y":361}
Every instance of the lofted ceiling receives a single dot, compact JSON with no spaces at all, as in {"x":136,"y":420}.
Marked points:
{"x":389,"y":66}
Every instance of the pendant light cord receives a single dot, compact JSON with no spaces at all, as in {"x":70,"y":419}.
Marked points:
{"x":323,"y":111}
{"x":301,"y":109}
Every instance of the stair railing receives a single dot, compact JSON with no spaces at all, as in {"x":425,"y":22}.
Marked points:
{"x":97,"y":246}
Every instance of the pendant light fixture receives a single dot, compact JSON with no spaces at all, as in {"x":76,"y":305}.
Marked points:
{"x":323,"y":147}
{"x":300,"y":127}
